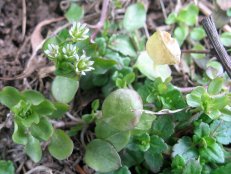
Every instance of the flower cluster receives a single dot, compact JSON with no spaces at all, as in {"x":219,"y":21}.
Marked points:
{"x":79,"y":32}
{"x":68,"y":52}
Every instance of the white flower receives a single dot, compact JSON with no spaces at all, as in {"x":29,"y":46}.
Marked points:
{"x":69,"y":51}
{"x":52,"y":51}
{"x":83,"y":64}
{"x":79,"y":31}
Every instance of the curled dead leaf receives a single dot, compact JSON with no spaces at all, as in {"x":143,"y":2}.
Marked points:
{"x":163,"y":49}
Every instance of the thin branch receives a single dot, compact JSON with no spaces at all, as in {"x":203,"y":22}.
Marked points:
{"x":196,"y":51}
{"x":103,"y":17}
{"x":214,"y":38}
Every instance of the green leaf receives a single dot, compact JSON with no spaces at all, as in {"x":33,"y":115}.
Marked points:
{"x":145,"y":122}
{"x":226,"y":39}
{"x":181,"y":33}
{"x":129,"y":78}
{"x":119,"y":139}
{"x":6,"y":167}
{"x":154,"y":161}
{"x":221,"y":130}
{"x":100,"y":79}
{"x":102,"y":156}
{"x":9,"y":96}
{"x":60,"y":110}
{"x":148,"y":68}
{"x":131,"y":158}
{"x":228,"y":12}
{"x":122,"y":44}
{"x":135,"y":17}
{"x":45,"y":108}
{"x":19,"y":136}
{"x":122,"y":109}
{"x":57,"y":39}
{"x":178,"y":162}
{"x":222,"y":169}
{"x":214,"y":69}
{"x":200,"y":48}
{"x":202,"y":130}
{"x":215,"y":86}
{"x":139,"y":142}
{"x":192,"y":167}
{"x":74,"y":13}
{"x":226,"y":113}
{"x":24,"y":112}
{"x":184,"y":147}
{"x":171,"y":19}
{"x":43,"y":130}
{"x":194,"y":98}
{"x":188,"y":15}
{"x":64,"y":89}
{"x":217,"y":102}
{"x":103,"y":65}
{"x":120,"y":83}
{"x":157,"y":145}
{"x":61,"y":146}
{"x":33,"y":97}
{"x":33,"y":149}
{"x":213,"y":153}
{"x":95,"y":105}
{"x":197,"y":33}
{"x":163,"y":127}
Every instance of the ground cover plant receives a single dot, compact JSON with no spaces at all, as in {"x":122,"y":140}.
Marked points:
{"x":134,"y":93}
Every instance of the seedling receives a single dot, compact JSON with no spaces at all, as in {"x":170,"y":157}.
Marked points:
{"x":31,"y":113}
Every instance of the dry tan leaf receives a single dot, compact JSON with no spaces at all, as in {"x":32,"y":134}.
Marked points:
{"x":36,"y":41}
{"x":163,"y":49}
{"x":36,"y":37}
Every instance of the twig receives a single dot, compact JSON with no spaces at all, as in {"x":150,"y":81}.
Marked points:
{"x":187,"y":89}
{"x":146,"y":30}
{"x":39,"y":168}
{"x":161,"y":112}
{"x":196,"y":51}
{"x":214,"y":38}
{"x":59,"y":124}
{"x":79,"y":169}
{"x":100,"y":24}
{"x":163,"y":9}
{"x":206,"y":10}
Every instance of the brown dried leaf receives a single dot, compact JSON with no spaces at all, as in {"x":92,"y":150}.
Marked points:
{"x":36,"y":37}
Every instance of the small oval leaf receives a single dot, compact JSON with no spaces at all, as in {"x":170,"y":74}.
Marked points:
{"x":32,"y":96}
{"x":61,"y":145}
{"x":33,"y":149}
{"x":64,"y":89}
{"x":102,"y":156}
